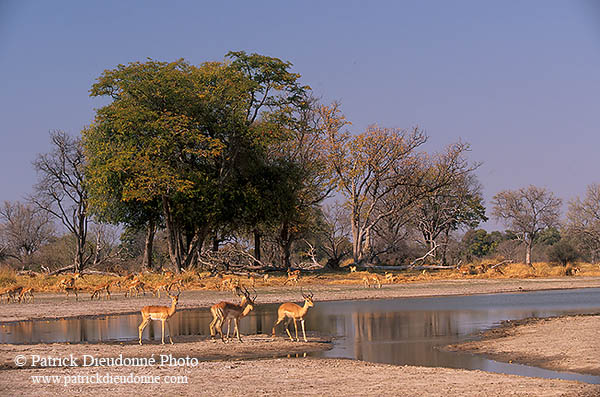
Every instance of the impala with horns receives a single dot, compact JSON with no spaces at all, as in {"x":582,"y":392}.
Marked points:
{"x":292,"y":312}
{"x":227,"y":311}
{"x":162,"y":313}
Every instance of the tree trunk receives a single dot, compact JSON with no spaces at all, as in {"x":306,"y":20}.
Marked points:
{"x":445,"y":248}
{"x":147,"y":261}
{"x":215,"y":242}
{"x":172,"y":236}
{"x":257,"y":236}
{"x":357,"y":237}
{"x":528,"y":248}
{"x":285,"y":245}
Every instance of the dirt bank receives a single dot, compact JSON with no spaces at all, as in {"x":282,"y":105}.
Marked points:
{"x":304,"y":376}
{"x":562,"y":344}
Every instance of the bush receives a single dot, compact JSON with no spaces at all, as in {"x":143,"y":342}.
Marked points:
{"x":563,"y":252}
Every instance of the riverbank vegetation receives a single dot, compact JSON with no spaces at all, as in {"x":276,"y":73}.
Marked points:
{"x":235,"y":168}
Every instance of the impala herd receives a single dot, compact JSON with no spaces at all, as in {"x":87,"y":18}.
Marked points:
{"x":223,"y":311}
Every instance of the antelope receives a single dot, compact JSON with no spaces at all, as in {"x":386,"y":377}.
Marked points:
{"x":165,"y":287}
{"x":68,"y":281}
{"x":291,"y":311}
{"x":162,"y":313}
{"x":3,"y":293}
{"x":229,"y":283}
{"x":293,"y":275}
{"x":352,"y":269}
{"x":266,"y":278}
{"x":389,"y":277}
{"x":73,"y":289}
{"x":226,"y":311}
{"x":11,"y":293}
{"x":136,"y":285}
{"x":368,"y":278}
{"x":99,"y":290}
{"x":26,"y":293}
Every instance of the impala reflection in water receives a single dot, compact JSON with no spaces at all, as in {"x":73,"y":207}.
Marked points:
{"x":409,"y":331}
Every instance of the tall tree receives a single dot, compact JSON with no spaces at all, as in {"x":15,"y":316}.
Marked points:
{"x":526,"y":212}
{"x":457,"y":205}
{"x":583,"y":220}
{"x":306,"y":179}
{"x":61,"y":190}
{"x":383,"y":165}
{"x":182,"y":135}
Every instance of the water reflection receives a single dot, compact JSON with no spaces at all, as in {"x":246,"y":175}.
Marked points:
{"x":399,"y":331}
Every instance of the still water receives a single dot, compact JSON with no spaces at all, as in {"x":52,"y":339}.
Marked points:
{"x":408,"y":331}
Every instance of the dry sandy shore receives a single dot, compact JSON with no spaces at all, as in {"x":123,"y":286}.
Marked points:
{"x":574,"y":347}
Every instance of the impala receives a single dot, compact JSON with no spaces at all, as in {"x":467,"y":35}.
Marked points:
{"x":389,"y":277}
{"x":229,"y":283}
{"x":368,"y":278}
{"x":162,"y":313}
{"x":104,"y":288}
{"x":68,"y":281}
{"x":165,"y":287}
{"x":26,"y":294}
{"x":136,"y":285}
{"x":4,"y":293}
{"x":12,"y":293}
{"x":72,"y":289}
{"x":291,"y":311}
{"x":226,"y":311}
{"x":292,"y":278}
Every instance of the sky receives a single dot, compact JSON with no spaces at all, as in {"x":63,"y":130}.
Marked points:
{"x":518,"y":80}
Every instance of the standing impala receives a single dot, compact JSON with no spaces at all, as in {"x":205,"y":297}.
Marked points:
{"x":226,"y":311}
{"x":162,"y":313}
{"x":291,"y":311}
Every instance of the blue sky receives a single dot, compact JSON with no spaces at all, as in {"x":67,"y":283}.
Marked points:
{"x":518,"y":80}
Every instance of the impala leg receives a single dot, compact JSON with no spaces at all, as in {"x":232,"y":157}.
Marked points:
{"x":145,"y":322}
{"x":287,"y":329}
{"x":163,"y":332}
{"x":211,"y":327}
{"x":296,"y":328}
{"x":219,"y":326}
{"x":279,"y":319}
{"x":303,"y":332}
{"x":237,"y":330}
{"x":169,"y":331}
{"x":228,"y":326}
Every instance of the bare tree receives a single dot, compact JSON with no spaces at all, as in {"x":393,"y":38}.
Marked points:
{"x":105,"y":245}
{"x":457,"y":205}
{"x":383,"y":166}
{"x":61,"y":191}
{"x":526,"y":212}
{"x":336,"y":232}
{"x":583,"y":219}
{"x":24,"y":229}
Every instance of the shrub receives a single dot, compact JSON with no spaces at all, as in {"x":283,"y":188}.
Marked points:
{"x":563,"y":252}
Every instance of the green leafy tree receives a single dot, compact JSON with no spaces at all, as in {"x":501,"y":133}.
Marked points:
{"x":182,"y":135}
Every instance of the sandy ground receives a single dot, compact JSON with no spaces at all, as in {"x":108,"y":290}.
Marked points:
{"x":561,"y":344}
{"x":564,"y":343}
